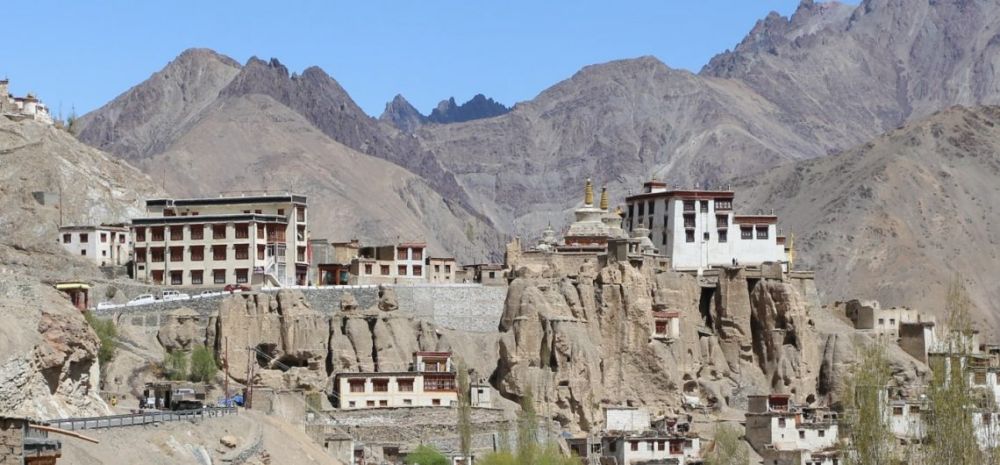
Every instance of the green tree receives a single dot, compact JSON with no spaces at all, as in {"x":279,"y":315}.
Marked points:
{"x":203,"y":364}
{"x":425,"y":455}
{"x":107,"y":334}
{"x":864,"y":424}
{"x":175,"y":365}
{"x":527,"y":429}
{"x":464,"y":410}
{"x":729,"y":447}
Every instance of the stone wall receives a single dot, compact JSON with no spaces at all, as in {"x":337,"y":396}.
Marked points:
{"x":463,"y":307}
{"x":11,"y":441}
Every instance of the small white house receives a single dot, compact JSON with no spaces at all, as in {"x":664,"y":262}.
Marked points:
{"x":105,"y":245}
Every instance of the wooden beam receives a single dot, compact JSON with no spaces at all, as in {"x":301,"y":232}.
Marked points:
{"x":64,"y":432}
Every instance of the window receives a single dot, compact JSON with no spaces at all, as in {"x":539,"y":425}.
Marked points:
{"x":368,"y":268}
{"x":689,"y":236}
{"x":689,"y":205}
{"x":979,"y":377}
{"x":437,"y":268}
{"x":104,"y":237}
{"x":140,"y":255}
{"x":357,"y":385}
{"x":281,"y":212}
{"x":661,"y":445}
{"x":723,"y":235}
{"x":436,"y":402}
{"x":881,"y":322}
{"x":177,"y":233}
{"x":177,"y":254}
{"x":83,"y":252}
{"x":67,"y":238}
{"x":447,"y":268}
{"x":892,"y":322}
{"x":300,"y":214}
{"x":140,"y":235}
{"x":721,"y":221}
{"x":704,"y":206}
{"x":257,"y":212}
{"x":634,"y":445}
{"x":915,"y":409}
{"x":821,"y":433}
{"x":176,"y":278}
{"x":158,"y":276}
{"x":802,"y":434}
{"x":158,"y":234}
{"x":242,"y":231}
{"x":383,"y":270}
{"x":370,"y":403}
{"x":652,"y":207}
{"x":781,"y":423}
{"x":197,"y":277}
{"x":493,"y":274}
{"x":418,"y":270}
{"x":301,"y":254}
{"x":630,"y":211}
{"x":746,"y":232}
{"x":242,"y":251}
{"x":401,"y":254}
{"x":241,"y":275}
{"x":218,"y":252}
{"x":260,"y":230}
{"x":197,"y":232}
{"x":613,"y":446}
{"x":197,"y":253}
{"x":897,"y":411}
{"x":418,"y":254}
{"x":761,"y":232}
{"x":121,"y":238}
{"x":104,"y":253}
{"x":705,"y":236}
{"x":380,"y":385}
{"x":663,"y":237}
{"x":661,"y":327}
{"x":260,"y":252}
{"x":689,"y":221}
{"x":219,"y":276}
{"x":642,"y":209}
{"x":407,"y":402}
{"x":401,"y":270}
{"x":157,"y":254}
{"x":218,"y":231}
{"x":723,"y":204}
{"x":383,"y":403}
{"x":675,"y":447}
{"x":84,"y":238}
{"x":405,"y":385}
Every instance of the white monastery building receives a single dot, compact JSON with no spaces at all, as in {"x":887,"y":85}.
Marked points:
{"x":430,"y":382}
{"x":223,"y":240}
{"x":105,"y":245}
{"x":786,"y":434}
{"x":698,"y":229}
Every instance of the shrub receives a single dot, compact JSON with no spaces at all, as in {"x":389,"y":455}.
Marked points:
{"x":176,"y":366}
{"x":425,"y":455}
{"x":107,"y":333}
{"x":203,"y":364}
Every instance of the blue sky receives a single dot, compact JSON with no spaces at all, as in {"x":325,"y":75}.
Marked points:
{"x":82,"y":54}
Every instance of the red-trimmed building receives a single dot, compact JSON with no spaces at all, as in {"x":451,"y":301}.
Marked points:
{"x":698,"y":229}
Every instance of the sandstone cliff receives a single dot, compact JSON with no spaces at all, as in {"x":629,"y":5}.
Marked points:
{"x":583,"y":339}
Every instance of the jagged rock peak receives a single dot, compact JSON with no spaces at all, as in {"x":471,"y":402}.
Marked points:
{"x":478,"y":107}
{"x":401,"y":114}
{"x":200,"y":54}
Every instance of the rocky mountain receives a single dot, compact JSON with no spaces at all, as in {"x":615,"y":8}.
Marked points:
{"x":478,"y":107}
{"x":402,"y":115}
{"x":48,"y":353}
{"x":268,"y":129}
{"x":898,"y":218}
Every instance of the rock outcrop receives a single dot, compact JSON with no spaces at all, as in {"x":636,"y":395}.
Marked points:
{"x":582,"y":339}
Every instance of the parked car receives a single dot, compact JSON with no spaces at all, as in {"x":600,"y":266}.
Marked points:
{"x":175,"y":295}
{"x":205,"y":294}
{"x":142,"y":300}
{"x":106,"y":305}
{"x":237,"y":288}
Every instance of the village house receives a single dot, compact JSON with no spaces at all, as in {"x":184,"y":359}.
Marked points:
{"x":331,"y":261}
{"x":786,"y":434}
{"x":629,"y":438}
{"x":27,"y":107}
{"x":25,"y":442}
{"x":402,"y":263}
{"x":487,"y":274}
{"x":441,"y":270}
{"x":104,"y":245}
{"x":884,"y":323}
{"x":214,"y":241}
{"x":698,"y":229}
{"x":429,"y":382}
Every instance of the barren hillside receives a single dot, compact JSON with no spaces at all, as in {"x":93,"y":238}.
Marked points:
{"x":897,"y":218}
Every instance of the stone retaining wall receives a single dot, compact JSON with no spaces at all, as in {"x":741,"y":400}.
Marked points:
{"x":463,"y":307}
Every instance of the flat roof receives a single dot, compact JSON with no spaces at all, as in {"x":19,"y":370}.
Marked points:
{"x":209,"y":219}
{"x":289,"y":198}
{"x":89,"y":227}
{"x":687,"y":193}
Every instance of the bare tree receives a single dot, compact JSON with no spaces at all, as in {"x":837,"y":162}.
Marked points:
{"x":864,"y":427}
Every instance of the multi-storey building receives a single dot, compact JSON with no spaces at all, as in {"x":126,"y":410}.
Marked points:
{"x":429,"y":382}
{"x":105,"y":245}
{"x":630,"y":439}
{"x":786,"y":434}
{"x":260,"y":239}
{"x":441,"y":270}
{"x":331,"y":261}
{"x":697,"y":229}
{"x":390,"y":264}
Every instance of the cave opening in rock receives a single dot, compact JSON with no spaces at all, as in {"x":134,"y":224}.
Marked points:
{"x":705,"y":305}
{"x":266,"y":352}
{"x":751,"y":283}
{"x":287,"y":361}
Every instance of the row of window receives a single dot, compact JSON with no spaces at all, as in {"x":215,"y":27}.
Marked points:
{"x":85,"y":237}
{"x":300,"y":213}
{"x":722,"y":235}
{"x":219,"y":231}
{"x":197,"y":253}
{"x":385,"y":403}
{"x":676,"y":447}
{"x":689,"y":206}
{"x":402,"y":385}
{"x":197,"y":277}
{"x":401,"y":270}
{"x":401,"y":254}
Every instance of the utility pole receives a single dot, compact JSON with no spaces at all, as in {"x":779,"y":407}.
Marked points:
{"x":225,"y":365}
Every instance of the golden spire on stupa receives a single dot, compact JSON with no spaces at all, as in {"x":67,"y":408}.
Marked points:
{"x":604,"y":198}
{"x":588,"y":194}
